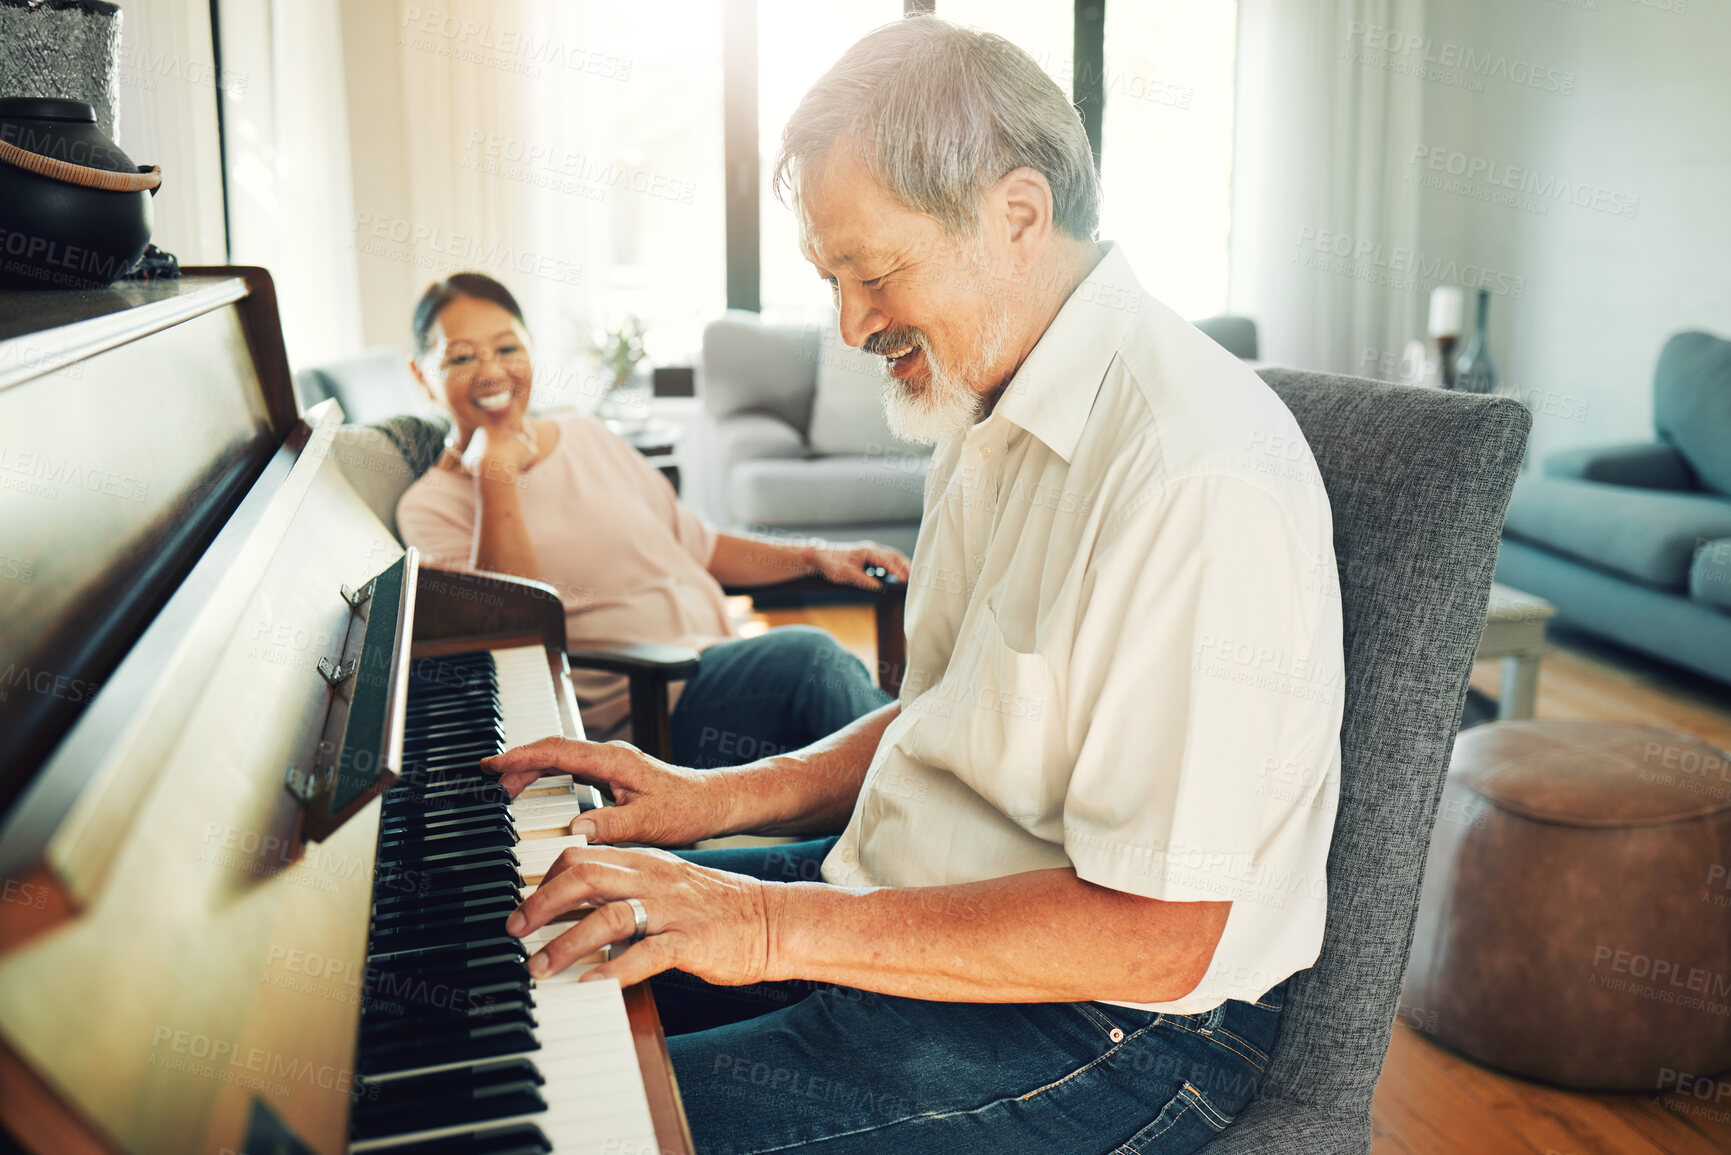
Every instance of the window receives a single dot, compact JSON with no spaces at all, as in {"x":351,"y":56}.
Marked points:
{"x":1043,"y":29}
{"x":1166,"y":146}
{"x":638,"y":126}
{"x":797,"y":42}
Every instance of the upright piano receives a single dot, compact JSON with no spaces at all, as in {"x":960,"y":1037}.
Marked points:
{"x":252,"y":883}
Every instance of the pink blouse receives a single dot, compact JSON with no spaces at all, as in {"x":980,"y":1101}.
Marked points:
{"x":629,"y":562}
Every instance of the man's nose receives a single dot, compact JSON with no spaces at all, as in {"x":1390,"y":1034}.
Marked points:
{"x":859,"y":317}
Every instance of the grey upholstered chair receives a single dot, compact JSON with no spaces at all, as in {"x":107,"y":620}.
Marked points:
{"x":1237,"y":335}
{"x":1418,"y":480}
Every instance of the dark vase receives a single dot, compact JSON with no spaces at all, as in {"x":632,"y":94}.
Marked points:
{"x":1475,"y":372}
{"x":74,"y":210}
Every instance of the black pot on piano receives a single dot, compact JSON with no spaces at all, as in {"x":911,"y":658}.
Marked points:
{"x":253,"y":882}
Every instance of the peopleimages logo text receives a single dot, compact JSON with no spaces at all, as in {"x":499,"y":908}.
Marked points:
{"x":1448,"y":54}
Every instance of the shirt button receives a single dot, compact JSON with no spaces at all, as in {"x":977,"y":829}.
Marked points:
{"x":985,"y":451}
{"x":979,"y":561}
{"x":1117,"y":1036}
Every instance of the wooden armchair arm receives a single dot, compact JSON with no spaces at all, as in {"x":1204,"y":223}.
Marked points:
{"x":888,"y":602}
{"x":649,"y":668}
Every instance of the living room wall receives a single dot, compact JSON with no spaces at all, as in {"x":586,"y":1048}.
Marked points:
{"x":1609,"y":119}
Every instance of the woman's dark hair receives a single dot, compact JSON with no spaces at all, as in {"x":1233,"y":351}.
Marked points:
{"x":442,"y":293}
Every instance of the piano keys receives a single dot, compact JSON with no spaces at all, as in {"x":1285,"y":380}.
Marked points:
{"x":476,"y":1055}
{"x":264,"y":890}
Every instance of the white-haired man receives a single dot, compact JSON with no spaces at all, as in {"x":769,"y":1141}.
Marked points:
{"x":1082,"y":853}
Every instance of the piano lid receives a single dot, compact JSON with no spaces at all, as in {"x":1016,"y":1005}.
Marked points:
{"x":132,"y":421}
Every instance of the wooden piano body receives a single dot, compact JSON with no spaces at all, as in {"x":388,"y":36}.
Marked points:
{"x":180,"y":968}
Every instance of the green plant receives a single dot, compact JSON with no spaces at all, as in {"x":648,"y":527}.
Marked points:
{"x":620,"y":350}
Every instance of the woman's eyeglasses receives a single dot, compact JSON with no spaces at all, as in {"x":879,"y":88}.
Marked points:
{"x":462,"y":362}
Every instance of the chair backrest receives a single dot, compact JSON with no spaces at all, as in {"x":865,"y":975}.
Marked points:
{"x":1237,"y":335}
{"x":751,"y":367}
{"x":1418,"y":480}
{"x":1692,"y":404}
{"x":381,"y":461}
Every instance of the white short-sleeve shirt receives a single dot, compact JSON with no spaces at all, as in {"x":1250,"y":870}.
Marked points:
{"x":1124,"y":644}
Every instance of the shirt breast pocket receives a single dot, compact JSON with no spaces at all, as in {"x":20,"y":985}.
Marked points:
{"x":994,"y":722}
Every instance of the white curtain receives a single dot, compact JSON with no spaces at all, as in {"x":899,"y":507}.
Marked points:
{"x":571,"y":151}
{"x":1323,"y":224}
{"x":289,"y":192}
{"x":166,"y":115}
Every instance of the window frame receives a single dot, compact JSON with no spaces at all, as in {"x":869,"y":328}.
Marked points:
{"x":740,"y":160}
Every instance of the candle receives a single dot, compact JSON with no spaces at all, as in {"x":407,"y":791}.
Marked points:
{"x":1446,"y":306}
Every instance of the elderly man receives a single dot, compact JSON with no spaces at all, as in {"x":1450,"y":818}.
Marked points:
{"x":1081,"y":854}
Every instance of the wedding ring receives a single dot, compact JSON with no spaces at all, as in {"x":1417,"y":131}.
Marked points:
{"x":642,"y":917}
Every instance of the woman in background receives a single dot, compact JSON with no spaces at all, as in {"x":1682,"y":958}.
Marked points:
{"x":569,"y":503}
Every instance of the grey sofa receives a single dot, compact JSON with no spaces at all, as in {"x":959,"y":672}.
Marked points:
{"x":1633,"y":542}
{"x":1417,"y":480}
{"x":797,"y":426}
{"x":373,"y":385}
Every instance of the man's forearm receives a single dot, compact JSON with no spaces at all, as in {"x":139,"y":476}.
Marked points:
{"x":808,"y":791}
{"x":1042,"y":936}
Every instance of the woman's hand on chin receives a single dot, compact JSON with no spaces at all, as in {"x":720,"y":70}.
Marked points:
{"x":501,"y":451}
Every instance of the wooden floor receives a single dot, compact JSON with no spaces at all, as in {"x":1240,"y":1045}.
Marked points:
{"x":1431,"y":1101}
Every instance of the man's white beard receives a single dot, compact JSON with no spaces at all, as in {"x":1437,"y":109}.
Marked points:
{"x":953,"y":397}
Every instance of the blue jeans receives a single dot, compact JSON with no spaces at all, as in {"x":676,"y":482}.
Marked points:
{"x":808,"y":1067}
{"x":769,"y":694}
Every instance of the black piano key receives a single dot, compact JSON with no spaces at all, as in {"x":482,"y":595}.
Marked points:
{"x":409,"y":880}
{"x":406,"y":817}
{"x":485,"y":1042}
{"x":425,"y":822}
{"x":429,"y":1023}
{"x":480,"y":942}
{"x":473,"y":928}
{"x":391,"y":903}
{"x":448,"y":1098}
{"x":475,"y":971}
{"x":448,"y":907}
{"x":522,"y":1139}
{"x":433,"y":728}
{"x":403,"y":849}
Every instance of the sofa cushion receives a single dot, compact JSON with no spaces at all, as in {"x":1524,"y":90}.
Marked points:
{"x":847,"y":410}
{"x":1692,"y":404}
{"x":1649,"y":465}
{"x":827,"y":490}
{"x":1643,"y":534}
{"x":1710,"y":574}
{"x":744,"y":436}
{"x":752,"y":367}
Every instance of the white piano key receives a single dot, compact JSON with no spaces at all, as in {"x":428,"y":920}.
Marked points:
{"x":530,"y":807}
{"x":548,"y":846}
{"x":551,"y":786}
{"x":552,"y":820}
{"x":527,"y":704}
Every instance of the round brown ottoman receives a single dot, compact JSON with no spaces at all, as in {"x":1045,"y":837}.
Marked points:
{"x":1575,"y":923}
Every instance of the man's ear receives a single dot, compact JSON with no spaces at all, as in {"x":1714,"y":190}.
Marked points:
{"x":1024,"y":198}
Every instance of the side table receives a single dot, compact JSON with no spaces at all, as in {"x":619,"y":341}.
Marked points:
{"x":1515,"y":633}
{"x":655,"y":438}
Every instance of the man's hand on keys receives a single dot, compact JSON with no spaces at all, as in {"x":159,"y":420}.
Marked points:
{"x":654,"y":803}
